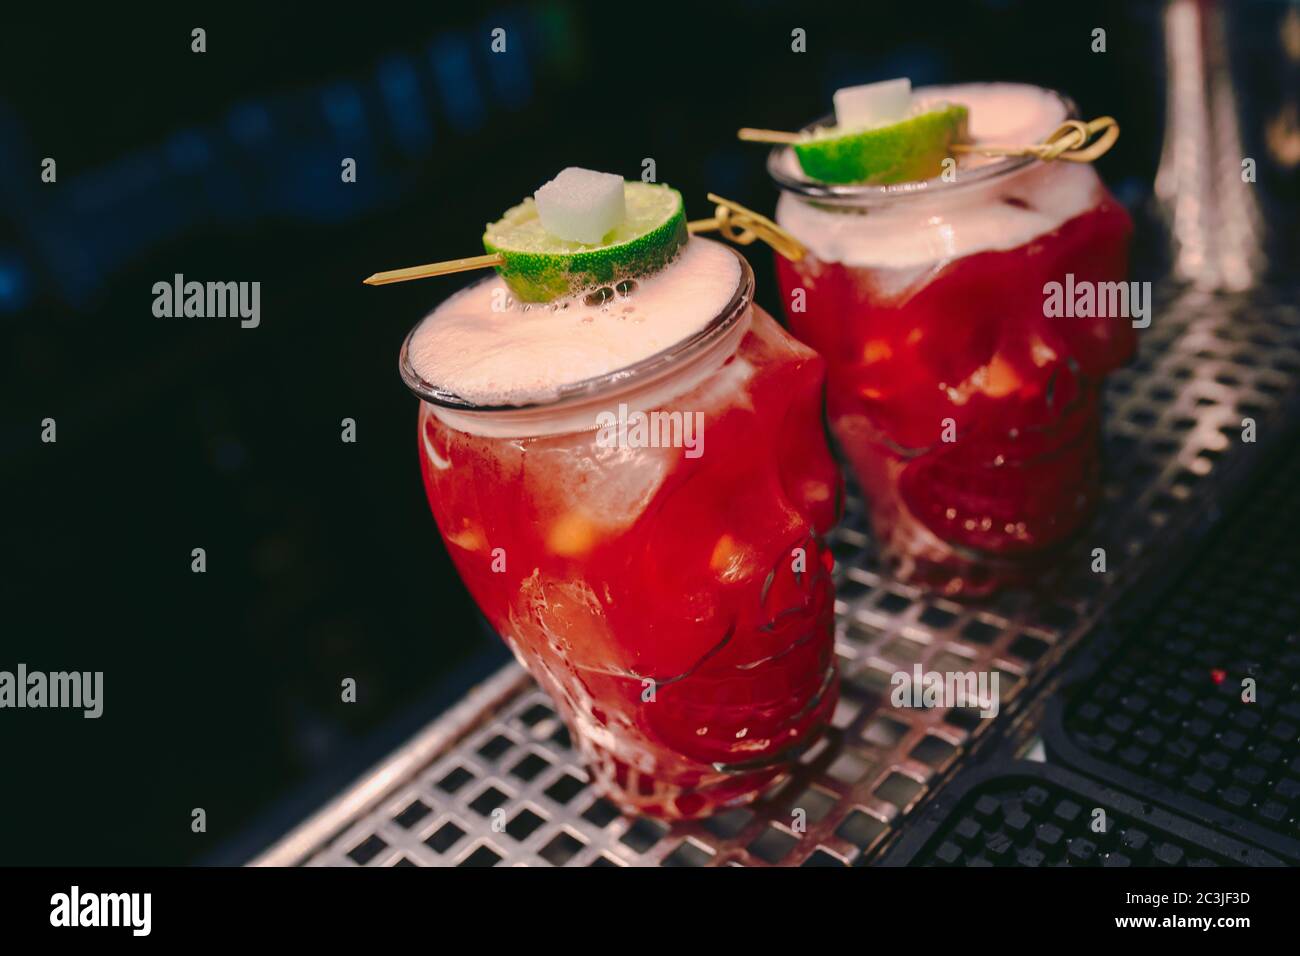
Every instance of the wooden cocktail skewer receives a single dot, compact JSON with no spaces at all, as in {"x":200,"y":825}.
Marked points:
{"x":731,"y":219}
{"x":437,"y":269}
{"x":774,"y":136}
{"x":742,"y":226}
{"x":1067,"y":141}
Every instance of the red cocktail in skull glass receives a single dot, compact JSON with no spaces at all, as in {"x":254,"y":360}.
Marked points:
{"x":969,"y":414}
{"x":677,"y":607}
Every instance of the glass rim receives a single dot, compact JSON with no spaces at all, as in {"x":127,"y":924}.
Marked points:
{"x":863,"y":193}
{"x":632,"y":375}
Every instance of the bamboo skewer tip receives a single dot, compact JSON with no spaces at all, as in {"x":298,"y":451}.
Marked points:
{"x":466,"y":264}
{"x":774,"y":136}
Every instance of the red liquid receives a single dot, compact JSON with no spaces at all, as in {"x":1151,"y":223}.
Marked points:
{"x":970,"y":352}
{"x":631,"y":569}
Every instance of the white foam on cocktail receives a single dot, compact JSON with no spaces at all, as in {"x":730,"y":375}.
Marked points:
{"x":581,"y":205}
{"x":915,"y":232}
{"x":524,"y":355}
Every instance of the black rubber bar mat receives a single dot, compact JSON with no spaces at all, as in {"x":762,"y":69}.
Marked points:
{"x":1155,"y":703}
{"x":1021,"y":813}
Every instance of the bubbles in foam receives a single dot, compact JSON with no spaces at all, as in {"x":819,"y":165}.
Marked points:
{"x":917,"y":233}
{"x":522,"y":355}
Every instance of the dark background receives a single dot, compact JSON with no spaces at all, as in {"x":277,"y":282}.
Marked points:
{"x":222,"y":690}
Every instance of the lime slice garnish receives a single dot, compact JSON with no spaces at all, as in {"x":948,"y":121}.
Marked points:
{"x":540,"y":267}
{"x":911,"y":149}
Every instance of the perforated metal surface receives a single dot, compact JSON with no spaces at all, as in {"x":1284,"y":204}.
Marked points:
{"x":1173,"y":429}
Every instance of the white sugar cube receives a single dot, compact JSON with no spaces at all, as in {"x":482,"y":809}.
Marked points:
{"x":581,"y":205}
{"x":873,"y":104}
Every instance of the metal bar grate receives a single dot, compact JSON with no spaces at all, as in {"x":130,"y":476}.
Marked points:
{"x":1174,"y":419}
